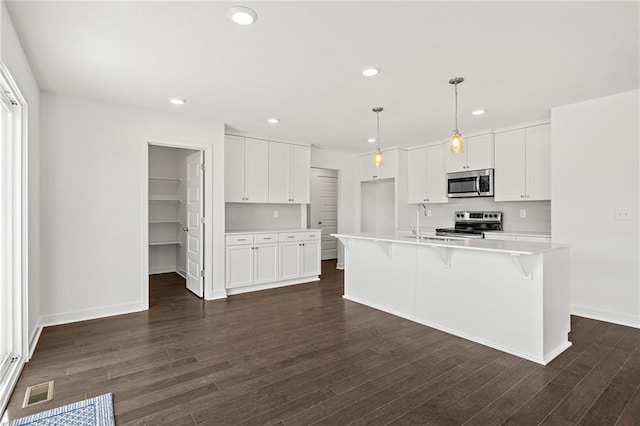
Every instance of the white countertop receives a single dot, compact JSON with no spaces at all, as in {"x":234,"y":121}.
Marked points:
{"x":512,"y":247}
{"x":272,"y":231}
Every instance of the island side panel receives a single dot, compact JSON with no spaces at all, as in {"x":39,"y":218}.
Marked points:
{"x":381,"y":275}
{"x":483,"y":297}
{"x":557,"y":303}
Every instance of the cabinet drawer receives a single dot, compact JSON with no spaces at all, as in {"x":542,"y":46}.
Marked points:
{"x":315,"y":235}
{"x":234,"y":240}
{"x":533,"y":239}
{"x":289,"y":236}
{"x":265,"y":238}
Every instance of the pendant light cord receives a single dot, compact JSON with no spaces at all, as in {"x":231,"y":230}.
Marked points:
{"x":456,"y":92}
{"x":378,"y":121}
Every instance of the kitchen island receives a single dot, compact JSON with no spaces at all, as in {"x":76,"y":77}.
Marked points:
{"x":509,"y":295}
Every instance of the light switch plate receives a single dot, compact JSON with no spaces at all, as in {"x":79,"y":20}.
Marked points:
{"x":623,"y":214}
{"x":275,"y":214}
{"x":523,"y":213}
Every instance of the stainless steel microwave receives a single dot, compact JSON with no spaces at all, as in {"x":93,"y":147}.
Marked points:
{"x":474,"y":183}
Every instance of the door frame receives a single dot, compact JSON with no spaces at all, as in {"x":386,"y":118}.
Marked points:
{"x":207,"y":149}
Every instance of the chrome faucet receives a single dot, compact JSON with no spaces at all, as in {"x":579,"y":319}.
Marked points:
{"x":418,"y":218}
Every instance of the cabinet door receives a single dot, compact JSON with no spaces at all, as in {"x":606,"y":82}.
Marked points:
{"x":289,"y":260}
{"x":367,"y":170}
{"x":300,"y":181}
{"x":310,"y":258}
{"x":265,"y":262}
{"x":239,"y":265}
{"x":480,"y":152}
{"x":510,"y":166}
{"x":388,"y":169}
{"x":256,"y":170}
{"x":234,"y":169}
{"x":279,"y":172}
{"x":538,"y":177}
{"x":456,"y":162}
{"x":436,"y":175}
{"x":417,"y":175}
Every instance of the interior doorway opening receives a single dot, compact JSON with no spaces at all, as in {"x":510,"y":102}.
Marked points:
{"x":175,"y":215}
{"x":323,"y":209}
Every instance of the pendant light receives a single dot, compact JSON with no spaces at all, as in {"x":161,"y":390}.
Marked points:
{"x":378,"y":159}
{"x":456,"y":143}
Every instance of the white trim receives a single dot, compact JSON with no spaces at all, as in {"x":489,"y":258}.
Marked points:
{"x":276,"y":284}
{"x":340,"y":265}
{"x":89,"y":314}
{"x":608,"y":316}
{"x":523,"y":125}
{"x":218,"y":294}
{"x":544,"y":360}
{"x":8,"y":385}
{"x":261,"y":138}
{"x":181,"y":272}
{"x":35,"y":337}
{"x":162,"y":269}
{"x":207,"y":266}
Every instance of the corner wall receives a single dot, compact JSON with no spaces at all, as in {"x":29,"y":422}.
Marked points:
{"x":93,"y":169}
{"x":594,"y":168}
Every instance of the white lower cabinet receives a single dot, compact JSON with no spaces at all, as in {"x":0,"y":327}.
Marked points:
{"x":272,"y":259}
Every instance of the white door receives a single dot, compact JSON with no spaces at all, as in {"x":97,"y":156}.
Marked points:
{"x":279,"y":165}
{"x":299,"y":180}
{"x":324,"y":209}
{"x":239,"y":266}
{"x":417,"y":171}
{"x":193,"y":228}
{"x":234,"y":169}
{"x":510,"y":166}
{"x":436,"y":175}
{"x":256,"y":170}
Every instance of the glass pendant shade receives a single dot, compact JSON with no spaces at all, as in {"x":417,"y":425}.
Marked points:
{"x":456,"y":143}
{"x":378,"y":159}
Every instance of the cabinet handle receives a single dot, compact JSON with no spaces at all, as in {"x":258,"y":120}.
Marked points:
{"x":375,"y":177}
{"x":242,"y":239}
{"x":290,"y":236}
{"x":522,"y":196}
{"x":185,"y":229}
{"x":267,"y":238}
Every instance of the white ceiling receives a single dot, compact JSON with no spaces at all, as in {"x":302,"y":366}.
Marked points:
{"x":301,"y":62}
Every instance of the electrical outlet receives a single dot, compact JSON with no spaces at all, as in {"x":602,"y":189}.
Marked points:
{"x":523,"y":213}
{"x":275,"y":214}
{"x":428,"y":213}
{"x":623,"y":214}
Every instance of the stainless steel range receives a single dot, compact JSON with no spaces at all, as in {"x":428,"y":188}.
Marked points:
{"x":473,"y":224}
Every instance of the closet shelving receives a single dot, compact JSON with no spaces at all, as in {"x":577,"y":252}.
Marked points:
{"x":164,"y":204}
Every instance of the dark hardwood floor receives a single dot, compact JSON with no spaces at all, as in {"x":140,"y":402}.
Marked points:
{"x":302,"y":355}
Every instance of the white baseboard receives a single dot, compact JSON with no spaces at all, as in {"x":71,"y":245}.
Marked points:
{"x":267,"y":286}
{"x":35,"y":336}
{"x":340,"y":265}
{"x":89,"y":314}
{"x":181,"y":272}
{"x":162,"y":269}
{"x":217,"y":294}
{"x":608,"y":316}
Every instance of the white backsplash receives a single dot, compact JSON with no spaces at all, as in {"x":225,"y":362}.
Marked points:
{"x":538,"y":214}
{"x":249,"y":217}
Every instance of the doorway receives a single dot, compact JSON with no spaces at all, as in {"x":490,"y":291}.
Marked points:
{"x":323,"y":209}
{"x":175,"y":214}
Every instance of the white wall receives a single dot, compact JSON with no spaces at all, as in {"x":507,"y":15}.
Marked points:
{"x":348,"y":189}
{"x":14,"y":59}
{"x":594,"y":166}
{"x":93,"y":179}
{"x":253,"y":216}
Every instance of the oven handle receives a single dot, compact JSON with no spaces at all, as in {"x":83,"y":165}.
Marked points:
{"x":478,"y":185}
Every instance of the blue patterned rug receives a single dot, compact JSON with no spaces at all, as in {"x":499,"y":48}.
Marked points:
{"x":96,"y":411}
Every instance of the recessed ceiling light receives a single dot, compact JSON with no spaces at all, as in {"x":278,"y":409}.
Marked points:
{"x":478,"y":112}
{"x":273,"y":120}
{"x":370,"y":71}
{"x":371,"y":140}
{"x":242,"y":15}
{"x":178,"y":101}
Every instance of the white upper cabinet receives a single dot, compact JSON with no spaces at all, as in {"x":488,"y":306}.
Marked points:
{"x":522,"y":164}
{"x":538,"y":179}
{"x":426,"y":175}
{"x":388,"y":170}
{"x":478,"y":154}
{"x":246,"y":170}
{"x":289,"y":173}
